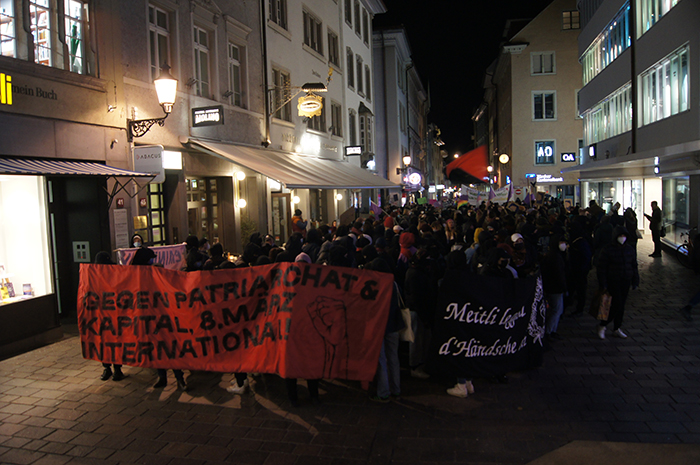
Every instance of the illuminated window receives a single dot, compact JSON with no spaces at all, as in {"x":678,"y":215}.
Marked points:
{"x":544,"y":152}
{"x":665,"y":87}
{"x":570,"y":20}
{"x":7,"y":29}
{"x":159,"y":39}
{"x":651,"y":11}
{"x":318,"y":123}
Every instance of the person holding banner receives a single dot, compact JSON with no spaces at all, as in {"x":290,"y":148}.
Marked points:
{"x":103,"y":258}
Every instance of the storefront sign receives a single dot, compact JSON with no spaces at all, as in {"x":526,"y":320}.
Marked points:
{"x":8,"y":91}
{"x":207,"y":116}
{"x":487,"y":326}
{"x":292,"y":319}
{"x":568,"y":157}
{"x":149,"y":159}
{"x":544,"y":152}
{"x":353,"y":150}
{"x":549,"y":178}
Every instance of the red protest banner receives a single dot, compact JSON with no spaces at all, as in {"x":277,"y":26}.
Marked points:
{"x":297,"y":320}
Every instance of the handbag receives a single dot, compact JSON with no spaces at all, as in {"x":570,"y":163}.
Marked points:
{"x":600,"y":306}
{"x":662,"y":231}
{"x":405,"y":334}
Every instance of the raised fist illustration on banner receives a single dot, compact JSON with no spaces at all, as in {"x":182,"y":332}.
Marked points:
{"x":330,"y":320}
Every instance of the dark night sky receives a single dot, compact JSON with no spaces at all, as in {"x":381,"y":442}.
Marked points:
{"x":453,"y":42}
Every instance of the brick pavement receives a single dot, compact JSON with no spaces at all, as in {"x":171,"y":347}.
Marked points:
{"x":645,"y":389}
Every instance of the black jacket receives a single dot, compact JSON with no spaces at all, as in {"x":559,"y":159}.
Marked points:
{"x":618,"y":263}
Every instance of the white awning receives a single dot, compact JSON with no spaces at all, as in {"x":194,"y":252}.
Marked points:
{"x":296,"y":171}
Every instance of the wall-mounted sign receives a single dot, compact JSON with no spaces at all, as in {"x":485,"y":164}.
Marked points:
{"x":544,"y":152}
{"x":8,"y":91}
{"x":549,"y":178}
{"x":414,"y":178}
{"x":207,"y":116}
{"x":568,"y":157}
{"x":593,"y":151}
{"x":143,"y":202}
{"x":120,"y":202}
{"x":149,"y":159}
{"x":353,"y":150}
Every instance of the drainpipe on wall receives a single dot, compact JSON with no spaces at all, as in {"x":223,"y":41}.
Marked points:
{"x":266,"y":97}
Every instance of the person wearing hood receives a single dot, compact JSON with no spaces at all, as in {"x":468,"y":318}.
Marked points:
{"x":617,"y":272}
{"x":554,"y":283}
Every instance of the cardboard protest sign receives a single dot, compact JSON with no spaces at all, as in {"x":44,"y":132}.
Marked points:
{"x":297,"y":320}
{"x":487,"y":326}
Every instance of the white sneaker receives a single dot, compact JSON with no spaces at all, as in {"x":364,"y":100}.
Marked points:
{"x":419,"y":373}
{"x":618,"y":333}
{"x":601,"y":332}
{"x":459,"y":390}
{"x":236,"y":389}
{"x":470,"y":387}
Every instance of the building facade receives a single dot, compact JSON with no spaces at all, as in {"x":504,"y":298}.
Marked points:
{"x":402,"y":107}
{"x":641,"y":123}
{"x":531,"y":112}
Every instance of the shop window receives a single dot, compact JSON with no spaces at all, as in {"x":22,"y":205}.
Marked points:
{"x":333,"y":49}
{"x":156,"y":214}
{"x":158,"y":39}
{"x":76,"y":19}
{"x":8,"y":45}
{"x":201,"y":62}
{"x":235,"y":74}
{"x":278,"y":12}
{"x":25,"y":272}
{"x":203,"y":208}
{"x":544,"y":106}
{"x":318,"y":123}
{"x":544,"y":152}
{"x":614,"y":39}
{"x":313,"y":32}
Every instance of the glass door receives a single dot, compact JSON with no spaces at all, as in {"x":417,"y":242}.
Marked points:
{"x":281,"y":217}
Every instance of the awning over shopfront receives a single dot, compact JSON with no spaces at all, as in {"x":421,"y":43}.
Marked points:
{"x":296,"y":171}
{"x":51,"y":167}
{"x":469,"y":168}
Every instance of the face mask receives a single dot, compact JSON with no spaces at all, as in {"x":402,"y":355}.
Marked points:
{"x":137,"y":244}
{"x":621,"y":239}
{"x":562,"y":247}
{"x":519,"y":246}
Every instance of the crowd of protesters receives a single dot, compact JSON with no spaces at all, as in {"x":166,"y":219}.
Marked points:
{"x":419,"y":244}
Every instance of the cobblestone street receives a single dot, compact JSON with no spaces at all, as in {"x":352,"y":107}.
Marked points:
{"x":642,"y":390}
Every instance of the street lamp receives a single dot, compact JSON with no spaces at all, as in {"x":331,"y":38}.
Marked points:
{"x":504,"y":158}
{"x":166,"y":90}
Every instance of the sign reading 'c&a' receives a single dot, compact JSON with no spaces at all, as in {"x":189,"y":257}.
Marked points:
{"x":5,"y":89}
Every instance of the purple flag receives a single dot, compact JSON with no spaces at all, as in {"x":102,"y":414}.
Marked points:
{"x":492,"y":194}
{"x":376,"y":209}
